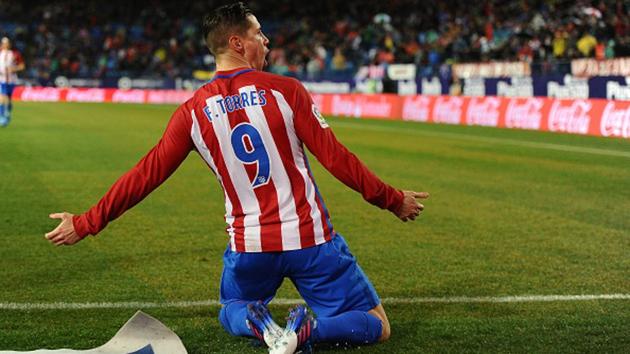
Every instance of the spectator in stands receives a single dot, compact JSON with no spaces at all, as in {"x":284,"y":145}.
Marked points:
{"x":586,"y":44}
{"x":86,"y":39}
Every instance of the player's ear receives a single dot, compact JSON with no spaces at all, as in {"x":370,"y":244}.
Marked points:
{"x":235,"y":43}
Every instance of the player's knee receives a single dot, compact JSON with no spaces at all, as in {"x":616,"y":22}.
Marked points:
{"x":225,"y":322}
{"x":386,"y":332}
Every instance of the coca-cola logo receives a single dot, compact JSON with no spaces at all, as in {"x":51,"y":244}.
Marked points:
{"x":448,"y":110}
{"x":380,"y":108}
{"x":168,"y":96}
{"x":344,"y":106}
{"x":361,"y":106}
{"x":41,"y":94}
{"x":574,"y":118}
{"x":130,"y":96}
{"x":615,"y":122}
{"x":416,"y":108}
{"x":89,"y":95}
{"x":483,"y":111}
{"x":526,"y":115}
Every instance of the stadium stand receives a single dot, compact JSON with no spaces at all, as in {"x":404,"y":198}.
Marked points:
{"x":313,"y":40}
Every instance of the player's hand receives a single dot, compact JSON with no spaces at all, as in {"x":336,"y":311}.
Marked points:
{"x":64,"y":233}
{"x":411,"y":208}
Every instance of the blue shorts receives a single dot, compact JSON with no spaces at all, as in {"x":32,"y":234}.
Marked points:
{"x":327,"y":276}
{"x":6,"y":89}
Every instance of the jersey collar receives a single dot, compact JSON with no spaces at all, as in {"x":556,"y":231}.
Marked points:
{"x":228,"y":74}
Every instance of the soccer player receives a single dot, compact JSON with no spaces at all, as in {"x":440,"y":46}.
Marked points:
{"x":10,"y":63}
{"x":250,"y":128}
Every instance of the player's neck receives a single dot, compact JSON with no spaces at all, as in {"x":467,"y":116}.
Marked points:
{"x":230,"y":61}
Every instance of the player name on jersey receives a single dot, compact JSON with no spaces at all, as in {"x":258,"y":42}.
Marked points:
{"x":237,"y":102}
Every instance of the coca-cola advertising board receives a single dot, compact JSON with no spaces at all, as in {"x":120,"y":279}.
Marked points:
{"x":598,"y":117}
{"x":51,"y":94}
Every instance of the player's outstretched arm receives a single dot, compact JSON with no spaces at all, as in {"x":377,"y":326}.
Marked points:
{"x":410,"y":207}
{"x":153,"y":169}
{"x":64,"y":233}
{"x":315,"y":133}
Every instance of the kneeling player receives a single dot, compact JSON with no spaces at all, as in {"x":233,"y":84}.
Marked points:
{"x":319,"y":263}
{"x":250,"y":128}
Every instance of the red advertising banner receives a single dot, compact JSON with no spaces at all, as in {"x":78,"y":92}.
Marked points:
{"x":598,"y":117}
{"x":352,"y":105}
{"x":51,"y":94}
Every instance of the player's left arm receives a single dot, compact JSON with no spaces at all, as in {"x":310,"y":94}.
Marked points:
{"x":313,"y":130}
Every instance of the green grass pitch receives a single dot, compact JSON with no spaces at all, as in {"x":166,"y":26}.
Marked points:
{"x":511,"y":213}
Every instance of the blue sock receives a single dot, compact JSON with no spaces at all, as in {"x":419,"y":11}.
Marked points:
{"x":2,"y":110}
{"x":356,"y":327}
{"x":233,"y":317}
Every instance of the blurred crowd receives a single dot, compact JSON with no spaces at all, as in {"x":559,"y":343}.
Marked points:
{"x":160,"y":39}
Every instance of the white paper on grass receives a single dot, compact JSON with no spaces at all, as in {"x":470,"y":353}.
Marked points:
{"x":142,"y":334}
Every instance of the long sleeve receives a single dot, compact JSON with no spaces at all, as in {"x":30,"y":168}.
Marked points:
{"x":313,"y":130}
{"x":154,"y":168}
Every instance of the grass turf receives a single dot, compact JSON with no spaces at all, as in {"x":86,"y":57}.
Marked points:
{"x":511,"y":213}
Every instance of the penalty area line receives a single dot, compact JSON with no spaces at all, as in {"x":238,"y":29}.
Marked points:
{"x":280,"y":301}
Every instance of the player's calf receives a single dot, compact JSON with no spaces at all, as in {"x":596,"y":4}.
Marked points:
{"x":352,"y":327}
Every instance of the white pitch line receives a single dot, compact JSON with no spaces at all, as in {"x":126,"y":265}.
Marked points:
{"x":389,"y":300}
{"x":485,"y":139}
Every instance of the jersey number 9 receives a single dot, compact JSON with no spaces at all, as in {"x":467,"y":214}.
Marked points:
{"x":254,"y":152}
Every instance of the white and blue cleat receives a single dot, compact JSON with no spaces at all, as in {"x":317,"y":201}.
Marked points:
{"x":301,"y":323}
{"x":286,"y":340}
{"x":263,"y":326}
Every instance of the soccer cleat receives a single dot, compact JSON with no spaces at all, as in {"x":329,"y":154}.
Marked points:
{"x":301,"y":323}
{"x":261,"y":323}
{"x":285,"y":344}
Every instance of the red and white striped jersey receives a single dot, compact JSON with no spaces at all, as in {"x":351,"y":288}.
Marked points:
{"x":250,"y":128}
{"x":9,"y":58}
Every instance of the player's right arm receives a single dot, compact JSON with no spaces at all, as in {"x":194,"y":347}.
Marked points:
{"x":312,"y":129}
{"x":154,"y":168}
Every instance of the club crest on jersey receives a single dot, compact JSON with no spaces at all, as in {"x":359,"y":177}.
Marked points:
{"x":208,"y":113}
{"x":320,"y":117}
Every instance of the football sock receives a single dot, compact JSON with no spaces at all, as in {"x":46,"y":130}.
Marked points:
{"x":233,"y":317}
{"x":7,"y":113}
{"x":356,"y":327}
{"x":2,"y":110}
